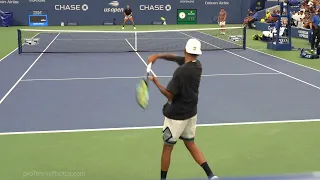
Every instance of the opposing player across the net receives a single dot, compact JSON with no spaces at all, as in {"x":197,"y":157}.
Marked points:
{"x":128,"y":15}
{"x":75,"y":41}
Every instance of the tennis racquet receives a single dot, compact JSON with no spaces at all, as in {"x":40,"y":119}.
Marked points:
{"x":142,"y":90}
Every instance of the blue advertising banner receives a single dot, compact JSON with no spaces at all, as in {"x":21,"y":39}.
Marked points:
{"x":38,"y":20}
{"x":98,"y":12}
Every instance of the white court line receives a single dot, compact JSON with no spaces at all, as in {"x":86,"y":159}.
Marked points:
{"x":137,"y":77}
{"x":7,"y":94}
{"x":259,"y":50}
{"x":113,"y":39}
{"x":158,"y":127}
{"x":9,"y":54}
{"x":139,"y":56}
{"x":247,"y":59}
{"x":16,"y":49}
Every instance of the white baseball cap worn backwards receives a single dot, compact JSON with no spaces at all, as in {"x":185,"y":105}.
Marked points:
{"x":193,"y":46}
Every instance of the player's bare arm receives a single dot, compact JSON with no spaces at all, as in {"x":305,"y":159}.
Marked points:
{"x":169,"y":57}
{"x":153,"y":58}
{"x":162,"y":89}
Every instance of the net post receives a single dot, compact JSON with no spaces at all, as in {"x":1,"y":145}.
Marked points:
{"x":19,"y":41}
{"x":244,"y":38}
{"x":136,"y":41}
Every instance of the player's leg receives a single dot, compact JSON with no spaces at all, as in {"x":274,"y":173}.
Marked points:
{"x":188,"y":136}
{"x":223,"y":25}
{"x":172,"y":130}
{"x":124,"y":22}
{"x":131,"y":19}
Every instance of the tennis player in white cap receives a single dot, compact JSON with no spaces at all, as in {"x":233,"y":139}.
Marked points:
{"x":180,"y":111}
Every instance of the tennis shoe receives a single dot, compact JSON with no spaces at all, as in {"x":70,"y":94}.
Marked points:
{"x":215,"y":178}
{"x":134,"y":28}
{"x":122,"y":27}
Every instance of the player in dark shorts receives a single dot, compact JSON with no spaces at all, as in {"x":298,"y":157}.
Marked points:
{"x":128,"y":15}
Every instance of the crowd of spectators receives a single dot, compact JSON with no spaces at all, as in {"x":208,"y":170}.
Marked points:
{"x":301,"y":17}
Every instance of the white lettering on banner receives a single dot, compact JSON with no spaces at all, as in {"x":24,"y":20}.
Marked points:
{"x":9,"y":2}
{"x":236,"y":38}
{"x":115,"y":8}
{"x":72,"y":7}
{"x":37,"y":1}
{"x":303,"y":34}
{"x":283,"y":40}
{"x":36,"y":12}
{"x":187,"y":1}
{"x":216,"y":3}
{"x":155,"y":7}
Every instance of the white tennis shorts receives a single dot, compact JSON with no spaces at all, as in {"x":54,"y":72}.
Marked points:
{"x":127,"y":17}
{"x":222,"y":23}
{"x":175,"y":129}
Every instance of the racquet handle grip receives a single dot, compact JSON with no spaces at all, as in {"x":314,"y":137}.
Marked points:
{"x":149,"y":67}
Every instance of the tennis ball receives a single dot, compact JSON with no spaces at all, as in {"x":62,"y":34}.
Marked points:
{"x":163,"y":19}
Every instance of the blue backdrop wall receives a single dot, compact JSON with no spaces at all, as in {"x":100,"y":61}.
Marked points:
{"x":96,"y":12}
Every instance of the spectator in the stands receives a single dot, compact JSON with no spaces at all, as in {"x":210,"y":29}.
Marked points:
{"x":303,"y":8}
{"x":307,"y":20}
{"x":250,"y":19}
{"x":270,"y":18}
{"x":301,"y":20}
{"x":297,"y":19}
{"x":310,"y":3}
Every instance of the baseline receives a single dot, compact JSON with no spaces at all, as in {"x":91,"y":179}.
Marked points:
{"x":158,"y":127}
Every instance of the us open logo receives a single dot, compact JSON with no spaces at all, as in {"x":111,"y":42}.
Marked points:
{"x":115,"y":8}
{"x":114,"y":3}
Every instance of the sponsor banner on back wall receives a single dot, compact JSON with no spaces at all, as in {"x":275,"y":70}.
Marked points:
{"x":96,"y":12}
{"x":71,"y":7}
{"x":37,"y":1}
{"x":214,"y":2}
{"x":9,"y":2}
{"x":155,"y":7}
{"x":114,"y":7}
{"x":187,"y":1}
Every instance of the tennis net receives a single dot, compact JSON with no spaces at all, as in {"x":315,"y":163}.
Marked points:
{"x":73,"y":41}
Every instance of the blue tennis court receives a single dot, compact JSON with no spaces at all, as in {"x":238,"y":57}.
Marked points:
{"x":86,"y":91}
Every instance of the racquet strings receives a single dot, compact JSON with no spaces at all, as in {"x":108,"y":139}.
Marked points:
{"x":142,"y":93}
